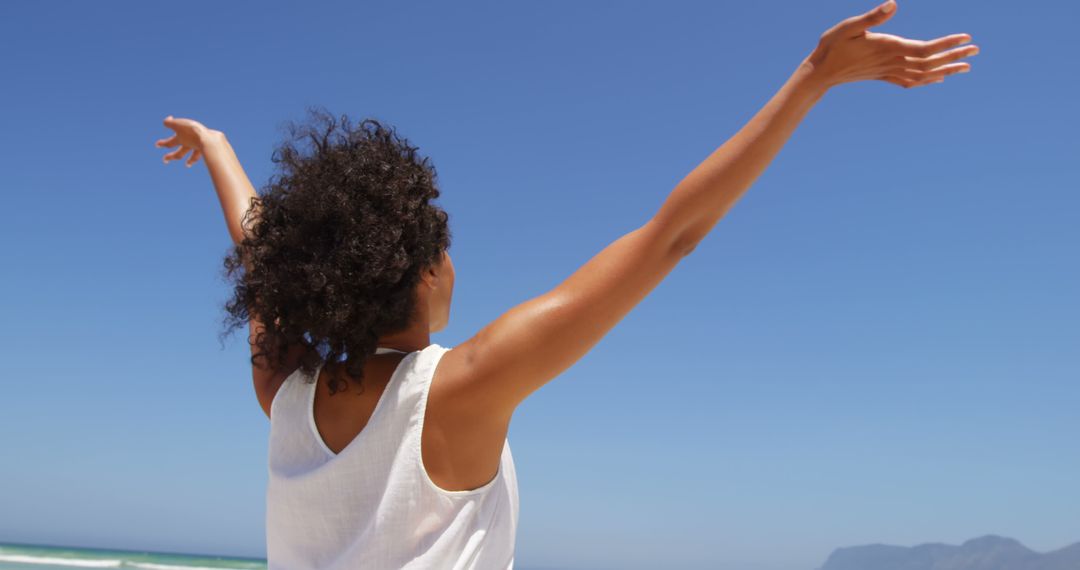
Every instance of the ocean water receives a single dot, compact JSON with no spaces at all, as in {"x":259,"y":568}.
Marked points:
{"x":15,"y":556}
{"x":39,"y":557}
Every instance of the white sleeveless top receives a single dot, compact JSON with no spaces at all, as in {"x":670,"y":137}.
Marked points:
{"x":373,"y":506}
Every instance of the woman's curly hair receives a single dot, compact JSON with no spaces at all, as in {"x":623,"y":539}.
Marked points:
{"x":334,"y":247}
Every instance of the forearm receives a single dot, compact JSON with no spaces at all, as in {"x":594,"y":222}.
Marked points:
{"x":713,"y":187}
{"x":235,"y":192}
{"x":233,"y":188}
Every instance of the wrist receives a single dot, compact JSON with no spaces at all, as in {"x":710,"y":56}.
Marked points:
{"x":810,"y":80}
{"x":211,"y":139}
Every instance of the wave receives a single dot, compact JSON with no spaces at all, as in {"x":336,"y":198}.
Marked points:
{"x":77,"y":562}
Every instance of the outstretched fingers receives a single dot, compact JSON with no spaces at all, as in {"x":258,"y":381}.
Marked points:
{"x":918,"y":48}
{"x":169,"y":142}
{"x":915,"y":78}
{"x":919,"y":62}
{"x":176,"y":154}
{"x":938,"y":60}
{"x":194,"y":158}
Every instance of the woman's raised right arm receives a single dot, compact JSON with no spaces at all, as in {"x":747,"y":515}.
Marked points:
{"x":712,"y":188}
{"x":847,"y":52}
{"x":485,"y":378}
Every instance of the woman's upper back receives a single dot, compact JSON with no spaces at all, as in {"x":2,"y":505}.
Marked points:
{"x":373,"y":505}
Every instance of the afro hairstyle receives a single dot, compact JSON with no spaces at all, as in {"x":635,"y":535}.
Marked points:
{"x":335,"y":243}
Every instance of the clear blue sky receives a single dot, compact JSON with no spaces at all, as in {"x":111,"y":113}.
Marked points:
{"x":879,"y":342}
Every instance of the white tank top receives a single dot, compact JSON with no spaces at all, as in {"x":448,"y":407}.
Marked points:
{"x":373,"y":506}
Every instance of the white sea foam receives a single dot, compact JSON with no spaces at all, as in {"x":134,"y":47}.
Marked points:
{"x":80,"y":563}
{"x":153,"y":566}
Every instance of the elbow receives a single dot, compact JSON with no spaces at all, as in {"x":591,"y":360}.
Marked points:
{"x":685,"y":244}
{"x":679,"y":242}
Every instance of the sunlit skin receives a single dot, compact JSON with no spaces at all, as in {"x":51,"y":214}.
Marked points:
{"x":478,"y":385}
{"x":850,"y":52}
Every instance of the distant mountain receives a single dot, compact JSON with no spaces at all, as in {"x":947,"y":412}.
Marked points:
{"x":988,"y":552}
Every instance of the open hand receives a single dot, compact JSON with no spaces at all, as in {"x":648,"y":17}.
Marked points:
{"x":190,"y":136}
{"x":849,"y":52}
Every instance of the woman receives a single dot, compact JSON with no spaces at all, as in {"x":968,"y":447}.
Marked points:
{"x":345,"y":254}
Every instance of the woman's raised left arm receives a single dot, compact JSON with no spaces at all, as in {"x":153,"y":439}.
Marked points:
{"x":233,"y":187}
{"x":236,"y":194}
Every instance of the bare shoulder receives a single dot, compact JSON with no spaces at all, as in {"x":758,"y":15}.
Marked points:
{"x":462,"y":441}
{"x":266,"y":389}
{"x":268,"y":381}
{"x":454,"y":392}
{"x":489,"y":375}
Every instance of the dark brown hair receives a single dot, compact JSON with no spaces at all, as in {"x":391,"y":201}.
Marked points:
{"x":336,"y":251}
